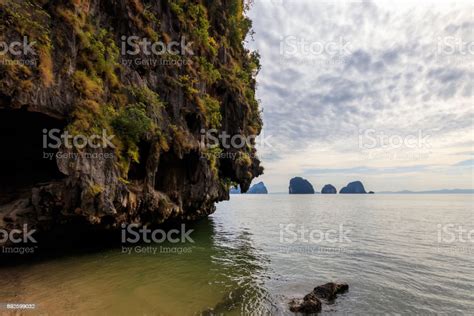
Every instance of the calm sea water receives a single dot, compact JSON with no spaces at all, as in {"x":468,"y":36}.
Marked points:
{"x":400,"y":254}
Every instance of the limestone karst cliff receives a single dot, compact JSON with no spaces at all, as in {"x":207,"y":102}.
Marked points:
{"x":155,"y":75}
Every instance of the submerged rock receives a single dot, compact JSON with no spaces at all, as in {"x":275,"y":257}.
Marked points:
{"x":330,"y":290}
{"x":311,"y":303}
{"x":258,"y":188}
{"x":329,"y":189}
{"x":355,"y":187}
{"x":308,"y":305}
{"x":299,"y":185}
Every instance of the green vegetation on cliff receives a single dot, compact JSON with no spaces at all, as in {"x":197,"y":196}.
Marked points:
{"x":157,"y":104}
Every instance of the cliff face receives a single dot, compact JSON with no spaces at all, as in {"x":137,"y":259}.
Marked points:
{"x":91,"y":71}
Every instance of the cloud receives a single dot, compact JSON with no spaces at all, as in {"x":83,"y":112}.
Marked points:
{"x":333,"y":69}
{"x":367,"y":170}
{"x":465,"y":163}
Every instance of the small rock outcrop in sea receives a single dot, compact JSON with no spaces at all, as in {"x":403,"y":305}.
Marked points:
{"x":329,"y":291}
{"x":329,"y":189}
{"x":299,"y":185}
{"x":258,"y":188}
{"x":371,"y":192}
{"x":311,"y":302}
{"x":355,"y":187}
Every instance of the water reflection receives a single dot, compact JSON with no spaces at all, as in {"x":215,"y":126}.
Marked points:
{"x":240,"y":267}
{"x":223,"y":273}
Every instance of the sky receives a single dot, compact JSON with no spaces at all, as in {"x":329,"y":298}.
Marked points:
{"x":380,"y":92}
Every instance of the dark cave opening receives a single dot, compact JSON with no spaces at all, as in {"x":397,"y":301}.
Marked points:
{"x":24,"y":161}
{"x":175,"y":174}
{"x":193,"y":122}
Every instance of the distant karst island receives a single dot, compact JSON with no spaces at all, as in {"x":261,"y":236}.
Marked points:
{"x":355,"y":187}
{"x":258,"y":188}
{"x":328,"y":189}
{"x":235,"y":190}
{"x":299,"y":185}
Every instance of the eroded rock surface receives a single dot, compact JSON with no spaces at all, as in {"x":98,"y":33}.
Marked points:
{"x":82,"y":79}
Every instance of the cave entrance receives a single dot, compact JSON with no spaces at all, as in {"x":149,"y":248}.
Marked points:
{"x":23,"y":160}
{"x":175,"y":175}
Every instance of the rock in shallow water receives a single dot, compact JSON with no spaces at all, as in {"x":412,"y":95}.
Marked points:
{"x":311,"y":303}
{"x":306,"y":306}
{"x":330,"y":290}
